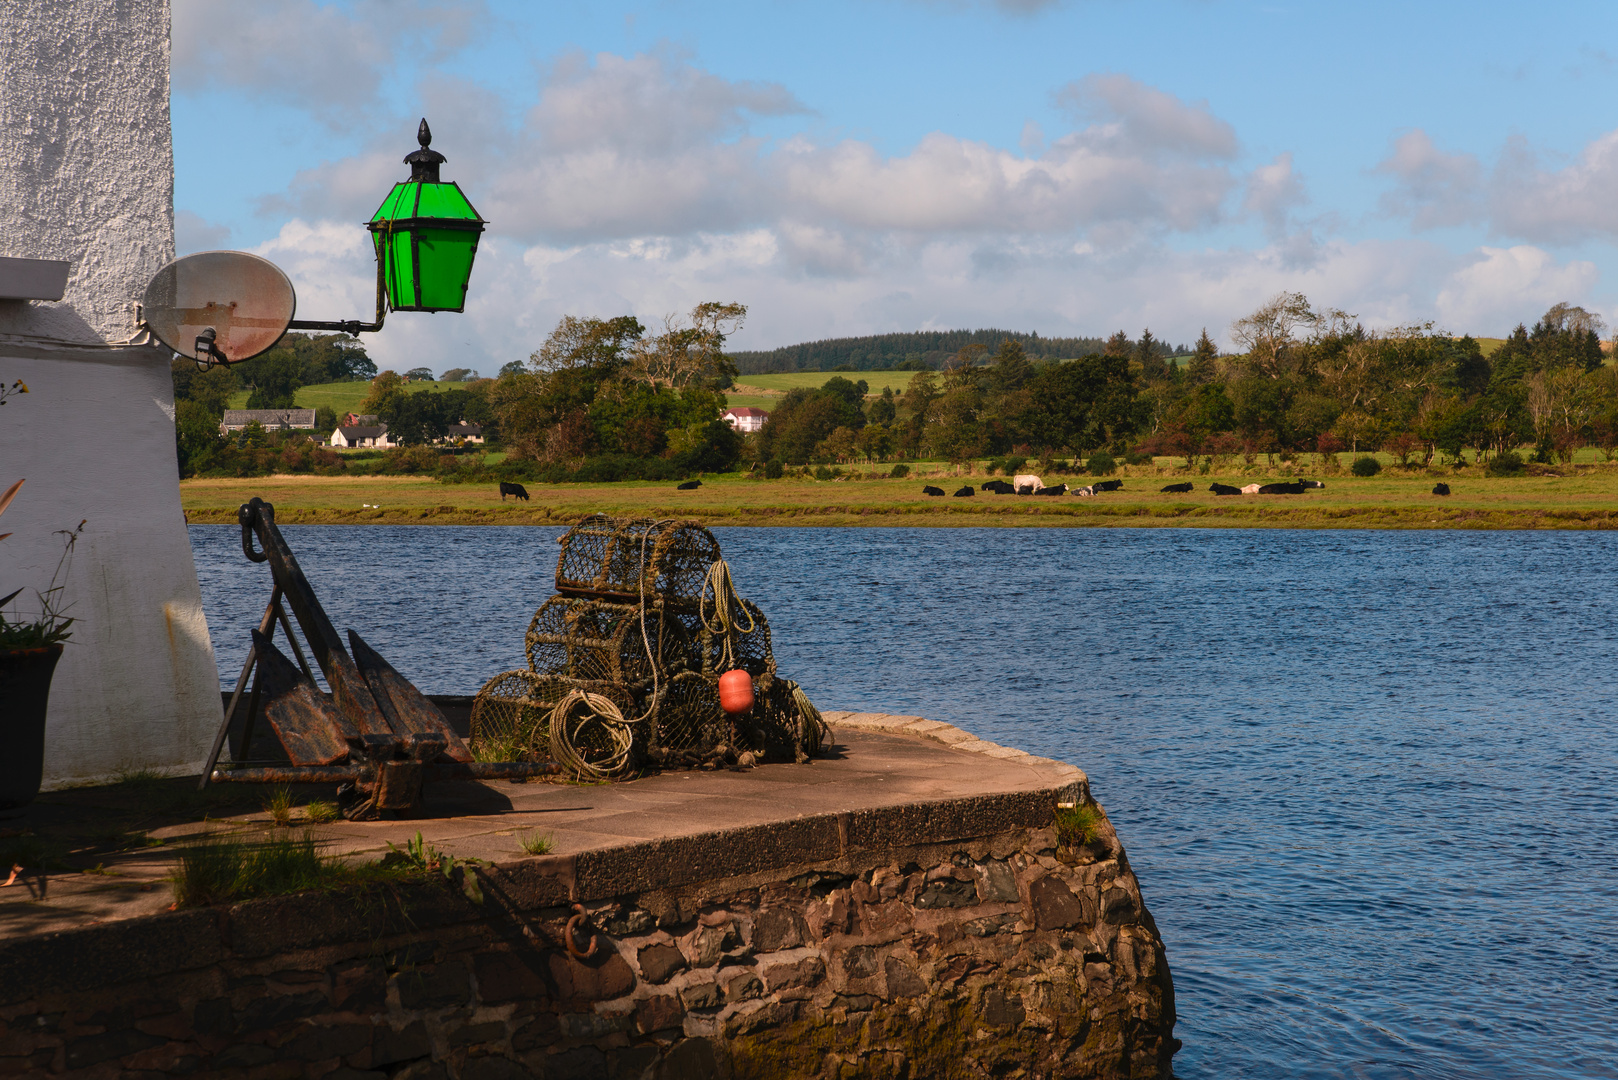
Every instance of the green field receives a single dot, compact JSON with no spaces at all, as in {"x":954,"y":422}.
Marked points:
{"x":780,"y":384}
{"x":1584,"y":497}
{"x":340,"y":397}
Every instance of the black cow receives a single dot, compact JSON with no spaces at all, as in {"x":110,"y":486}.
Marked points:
{"x":930,"y":490}
{"x":1440,"y":489}
{"x":1106,"y":485}
{"x":1177,"y":489}
{"x":512,"y":489}
{"x":1059,"y":489}
{"x":965,"y":492}
{"x":1026,"y":489}
{"x":999,"y":487}
{"x":1311,"y":483}
{"x":1281,"y":489}
{"x":689,"y":485}
{"x":1224,"y":489}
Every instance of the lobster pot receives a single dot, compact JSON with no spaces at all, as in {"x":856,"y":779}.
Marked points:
{"x":602,"y":641}
{"x":748,"y":640}
{"x":512,"y":714}
{"x":689,"y":719}
{"x":777,"y":728}
{"x":628,"y":559}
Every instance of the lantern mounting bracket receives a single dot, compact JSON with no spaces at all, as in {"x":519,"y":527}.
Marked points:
{"x":350,"y":326}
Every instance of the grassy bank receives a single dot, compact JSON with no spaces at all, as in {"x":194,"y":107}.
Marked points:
{"x":1584,"y":499}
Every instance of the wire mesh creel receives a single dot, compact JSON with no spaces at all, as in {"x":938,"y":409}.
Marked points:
{"x":635,"y":559}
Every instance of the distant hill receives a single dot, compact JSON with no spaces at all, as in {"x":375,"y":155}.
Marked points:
{"x":923,"y":348}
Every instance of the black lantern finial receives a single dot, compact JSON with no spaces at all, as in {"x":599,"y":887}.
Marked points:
{"x":424,"y":162}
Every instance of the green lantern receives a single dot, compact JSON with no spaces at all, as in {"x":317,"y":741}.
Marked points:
{"x":426,"y":235}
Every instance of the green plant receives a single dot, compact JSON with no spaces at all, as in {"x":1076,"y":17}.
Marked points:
{"x":224,"y":869}
{"x":537,"y":843}
{"x":1101,"y":463}
{"x":417,"y":854}
{"x":1366,"y":466}
{"x":52,"y":623}
{"x":1134,"y":457}
{"x":1508,"y":463}
{"x":822,"y":472}
{"x":279,"y":806}
{"x":1078,"y":825}
{"x":320,"y":811}
{"x":773,"y":469}
{"x":899,"y":471}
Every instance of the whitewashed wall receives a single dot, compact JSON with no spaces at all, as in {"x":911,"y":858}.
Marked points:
{"x":87,"y":175}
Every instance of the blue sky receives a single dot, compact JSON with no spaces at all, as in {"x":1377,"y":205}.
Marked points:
{"x":848,"y":168}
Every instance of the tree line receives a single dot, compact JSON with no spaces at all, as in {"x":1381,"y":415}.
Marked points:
{"x":1306,"y":381}
{"x":919,"y":351}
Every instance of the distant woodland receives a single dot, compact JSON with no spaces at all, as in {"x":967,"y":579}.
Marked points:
{"x":923,"y":350}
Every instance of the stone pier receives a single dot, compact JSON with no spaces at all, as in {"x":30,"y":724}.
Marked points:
{"x":904,"y":908}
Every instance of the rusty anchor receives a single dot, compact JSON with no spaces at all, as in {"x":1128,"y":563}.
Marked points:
{"x":378,"y":737}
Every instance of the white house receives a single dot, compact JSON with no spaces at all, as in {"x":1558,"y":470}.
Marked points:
{"x":464,"y":433}
{"x":351,"y":436}
{"x":745,"y":418}
{"x":268,"y":419}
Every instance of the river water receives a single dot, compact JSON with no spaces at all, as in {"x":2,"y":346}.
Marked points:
{"x":1366,"y":779}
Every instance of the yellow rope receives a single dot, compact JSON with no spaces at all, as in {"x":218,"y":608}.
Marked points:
{"x":725,"y":601}
{"x":816,"y":732}
{"x":608,"y":718}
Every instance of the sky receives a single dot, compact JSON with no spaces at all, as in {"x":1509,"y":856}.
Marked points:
{"x":1068,"y":167}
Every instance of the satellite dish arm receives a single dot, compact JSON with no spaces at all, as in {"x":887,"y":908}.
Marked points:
{"x":350,"y":326}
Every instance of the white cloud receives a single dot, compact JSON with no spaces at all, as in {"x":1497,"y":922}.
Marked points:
{"x":319,"y":57}
{"x":1434,"y":189}
{"x":1520,"y":197}
{"x":193,"y":232}
{"x":1499,"y":287}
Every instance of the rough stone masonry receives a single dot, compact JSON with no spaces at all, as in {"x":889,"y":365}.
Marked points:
{"x":957,"y":939}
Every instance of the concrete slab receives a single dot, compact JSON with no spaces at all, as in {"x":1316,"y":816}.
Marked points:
{"x":131,"y":838}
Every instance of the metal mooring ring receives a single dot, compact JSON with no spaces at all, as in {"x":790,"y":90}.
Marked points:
{"x":567,"y":936}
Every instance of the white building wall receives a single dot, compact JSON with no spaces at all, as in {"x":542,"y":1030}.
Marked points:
{"x":87,"y":175}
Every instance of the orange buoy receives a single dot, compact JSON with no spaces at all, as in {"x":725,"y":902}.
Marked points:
{"x":736,"y":691}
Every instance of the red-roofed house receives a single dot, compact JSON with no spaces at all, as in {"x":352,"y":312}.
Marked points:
{"x":744,"y":418}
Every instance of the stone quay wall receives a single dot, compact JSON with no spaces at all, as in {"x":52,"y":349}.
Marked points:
{"x":949,"y":939}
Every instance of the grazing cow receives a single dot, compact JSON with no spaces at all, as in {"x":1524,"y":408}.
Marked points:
{"x":965,"y":492}
{"x":1106,"y":485}
{"x":999,"y":487}
{"x":1311,"y":483}
{"x":1281,"y":489}
{"x":512,"y":489}
{"x":1059,"y":489}
{"x":1224,"y":489}
{"x":1440,"y":489}
{"x":1176,"y":489}
{"x":689,"y":485}
{"x":1027,"y":483}
{"x":1251,"y":489}
{"x":930,"y":490}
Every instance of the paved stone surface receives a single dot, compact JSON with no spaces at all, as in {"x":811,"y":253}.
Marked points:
{"x":879,"y":761}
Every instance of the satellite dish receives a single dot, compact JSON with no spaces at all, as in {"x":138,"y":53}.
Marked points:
{"x":224,"y":306}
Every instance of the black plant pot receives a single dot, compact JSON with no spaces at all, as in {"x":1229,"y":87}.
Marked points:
{"x":25,"y":689}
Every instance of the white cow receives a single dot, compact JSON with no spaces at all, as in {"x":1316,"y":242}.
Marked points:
{"x":1251,"y":489}
{"x":1026,"y":480}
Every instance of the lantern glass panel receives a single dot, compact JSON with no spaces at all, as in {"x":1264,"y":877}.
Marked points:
{"x":426,"y":235}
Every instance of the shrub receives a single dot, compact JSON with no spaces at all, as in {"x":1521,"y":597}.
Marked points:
{"x":1366,"y":466}
{"x":1101,"y":463}
{"x":773,"y":469}
{"x":1506,"y":464}
{"x":899,"y":471}
{"x":1137,"y":457}
{"x":1078,"y":825}
{"x":824,"y":473}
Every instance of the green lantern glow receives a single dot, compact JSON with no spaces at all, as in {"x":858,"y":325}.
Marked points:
{"x":426,"y":235}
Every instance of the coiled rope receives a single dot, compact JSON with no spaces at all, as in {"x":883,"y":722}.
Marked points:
{"x":816,"y":732}
{"x":611,"y":723}
{"x":725,"y":601}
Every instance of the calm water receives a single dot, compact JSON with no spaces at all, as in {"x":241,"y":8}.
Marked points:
{"x":1366,"y":779}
